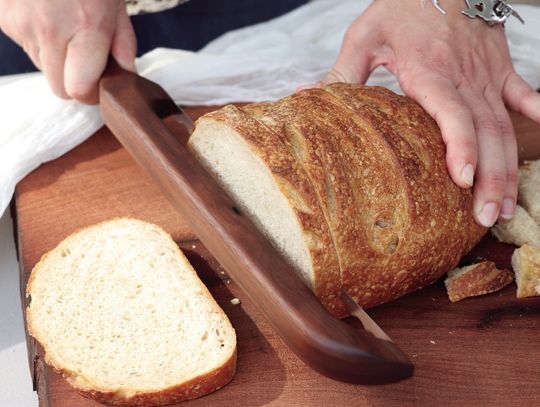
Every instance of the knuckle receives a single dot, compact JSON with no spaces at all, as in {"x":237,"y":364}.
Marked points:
{"x":512,"y":176}
{"x":47,"y":31}
{"x":496,"y":180}
{"x":486,"y":126}
{"x":462,"y":147}
{"x":85,"y":19}
{"x":458,"y":110}
{"x":506,"y":128}
{"x":409,"y":81}
{"x":21,"y":25}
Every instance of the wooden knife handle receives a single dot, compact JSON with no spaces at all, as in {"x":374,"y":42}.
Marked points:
{"x":132,"y":108}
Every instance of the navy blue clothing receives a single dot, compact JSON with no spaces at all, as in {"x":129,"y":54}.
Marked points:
{"x":188,"y":26}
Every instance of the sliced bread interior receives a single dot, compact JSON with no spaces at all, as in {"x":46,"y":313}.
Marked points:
{"x":123,"y":316}
{"x":529,"y":188}
{"x":521,"y":229}
{"x":526,"y":265}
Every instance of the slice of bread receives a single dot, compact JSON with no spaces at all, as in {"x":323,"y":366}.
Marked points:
{"x":526,"y":265}
{"x":521,"y":229}
{"x":476,"y":279}
{"x":529,"y":188}
{"x":123,"y":316}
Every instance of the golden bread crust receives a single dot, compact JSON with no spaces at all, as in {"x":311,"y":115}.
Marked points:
{"x":479,"y":279}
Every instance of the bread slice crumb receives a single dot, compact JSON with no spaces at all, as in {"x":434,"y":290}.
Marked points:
{"x":476,"y":279}
{"x":526,"y":265}
{"x":529,"y":188}
{"x":521,"y":229}
{"x":123,"y":316}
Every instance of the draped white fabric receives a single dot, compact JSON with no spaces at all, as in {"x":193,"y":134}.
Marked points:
{"x":262,"y":62}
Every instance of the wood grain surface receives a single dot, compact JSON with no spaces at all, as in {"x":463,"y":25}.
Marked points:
{"x":482,"y":351}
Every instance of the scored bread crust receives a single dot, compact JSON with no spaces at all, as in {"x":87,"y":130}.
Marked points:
{"x":190,"y":389}
{"x":333,"y":146}
{"x":296,"y":187}
{"x":376,"y":199}
{"x":440,"y":227}
{"x":322,"y":161}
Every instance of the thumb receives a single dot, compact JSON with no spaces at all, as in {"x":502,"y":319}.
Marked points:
{"x":356,"y":60}
{"x":124,"y":42}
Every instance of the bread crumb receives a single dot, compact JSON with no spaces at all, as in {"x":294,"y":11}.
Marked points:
{"x":432,"y":342}
{"x":476,"y":279}
{"x":235,"y":301}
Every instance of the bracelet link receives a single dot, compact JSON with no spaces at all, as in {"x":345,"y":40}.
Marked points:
{"x":492,"y":11}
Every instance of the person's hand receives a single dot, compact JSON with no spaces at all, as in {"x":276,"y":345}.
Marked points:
{"x":460,"y":71}
{"x":70,"y":40}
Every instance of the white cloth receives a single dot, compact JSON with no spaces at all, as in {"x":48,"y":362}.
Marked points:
{"x":262,"y":62}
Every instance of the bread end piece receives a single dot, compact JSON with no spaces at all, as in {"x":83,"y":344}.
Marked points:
{"x":529,"y":188}
{"x":521,"y":229}
{"x":526,"y":265}
{"x":476,"y":279}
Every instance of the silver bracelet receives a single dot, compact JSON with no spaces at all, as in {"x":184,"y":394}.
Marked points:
{"x":493,"y":11}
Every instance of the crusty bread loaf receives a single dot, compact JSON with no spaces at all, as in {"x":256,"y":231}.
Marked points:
{"x":476,"y":279}
{"x":526,"y":265}
{"x":122,"y":315}
{"x":376,"y":166}
{"x":521,"y":229}
{"x":529,"y":188}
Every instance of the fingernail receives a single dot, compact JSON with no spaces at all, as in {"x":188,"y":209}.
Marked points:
{"x":507,"y":209}
{"x":488,"y":214}
{"x":467,"y":175}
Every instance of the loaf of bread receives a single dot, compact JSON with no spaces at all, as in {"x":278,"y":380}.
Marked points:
{"x":123,"y":316}
{"x":476,"y":279}
{"x":349,"y":183}
{"x":526,"y":265}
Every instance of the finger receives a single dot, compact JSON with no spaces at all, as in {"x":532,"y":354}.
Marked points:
{"x":124,"y":43}
{"x":86,"y":57}
{"x":51,"y":61}
{"x":510,"y":153}
{"x":521,"y":97}
{"x":355,"y":60}
{"x":439,"y":97}
{"x":490,"y":185}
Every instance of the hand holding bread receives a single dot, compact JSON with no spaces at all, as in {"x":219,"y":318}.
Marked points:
{"x":460,"y":71}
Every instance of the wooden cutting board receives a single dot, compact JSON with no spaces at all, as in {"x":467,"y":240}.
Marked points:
{"x":482,"y":350}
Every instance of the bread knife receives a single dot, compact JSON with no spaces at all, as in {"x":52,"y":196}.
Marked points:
{"x":133,"y":108}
